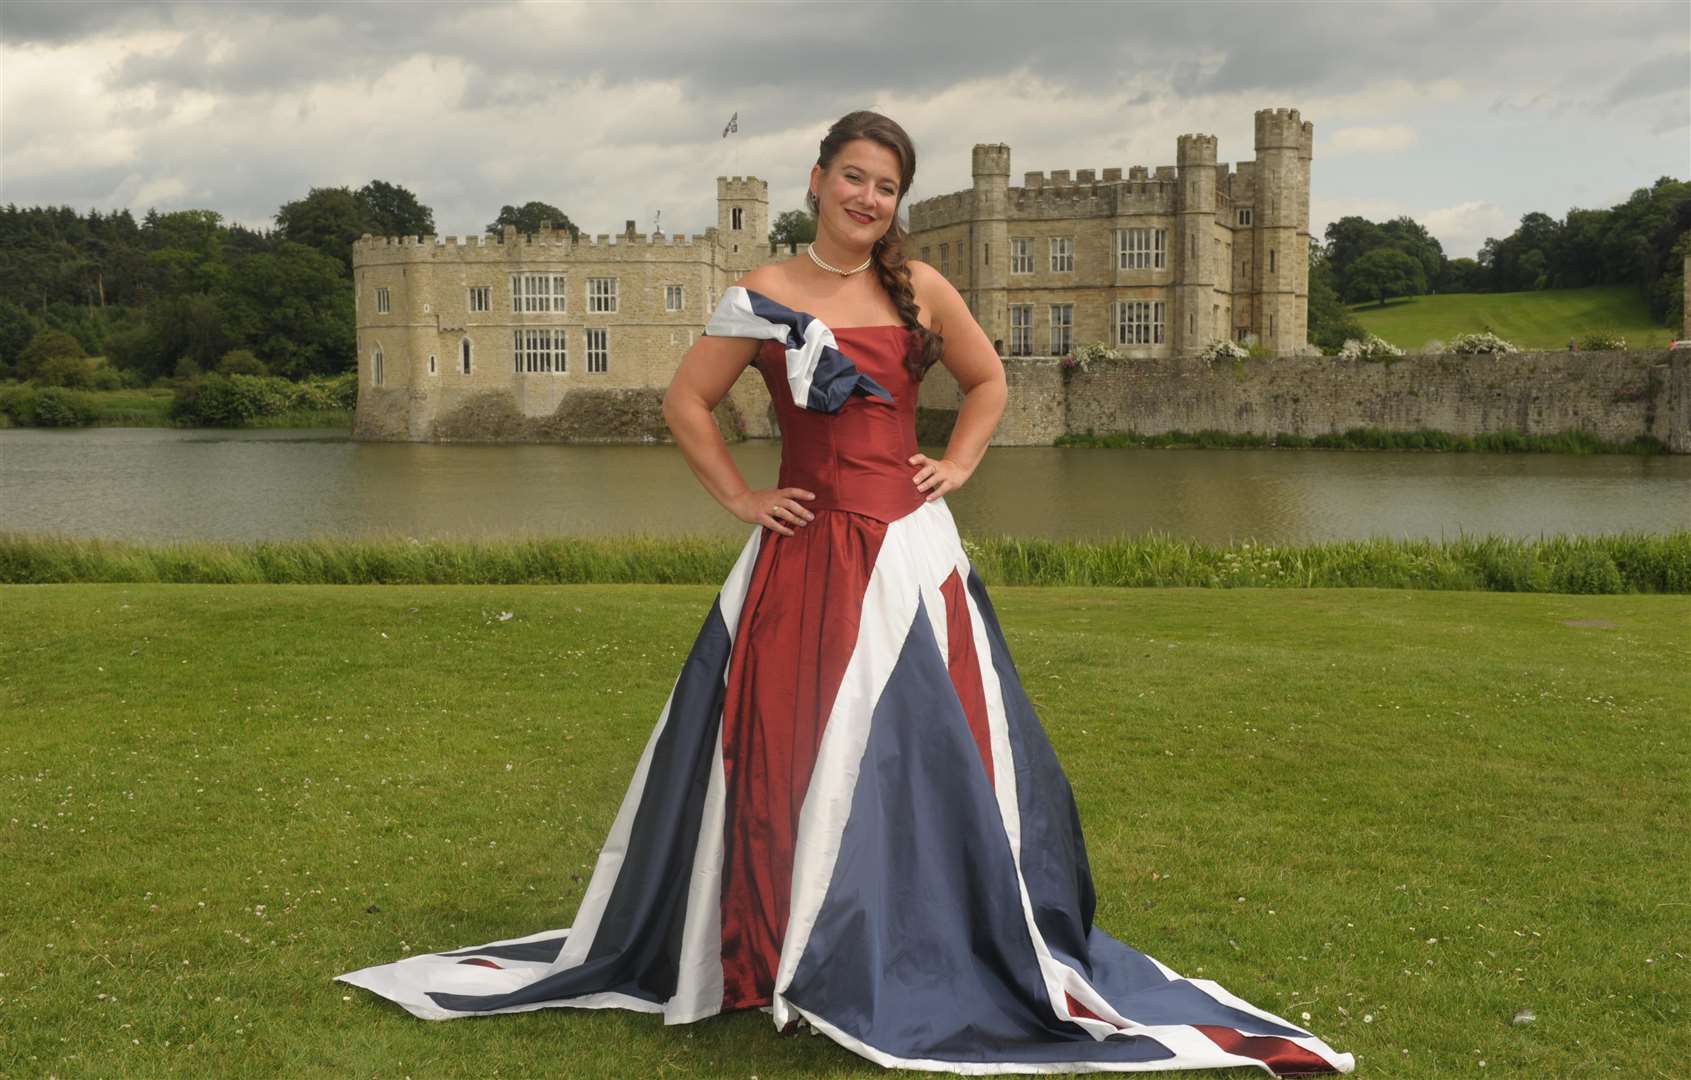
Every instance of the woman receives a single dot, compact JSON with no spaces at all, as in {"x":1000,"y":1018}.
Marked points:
{"x":848,"y":814}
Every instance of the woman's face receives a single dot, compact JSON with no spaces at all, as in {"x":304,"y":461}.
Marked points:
{"x":858,"y":192}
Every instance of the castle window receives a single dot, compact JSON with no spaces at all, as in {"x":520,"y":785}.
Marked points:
{"x":986,"y":253}
{"x":376,"y":367}
{"x":736,"y":218}
{"x":1271,"y":326}
{"x":1062,"y":254}
{"x":1244,"y":215}
{"x":1141,"y":249}
{"x":464,"y":355}
{"x":1139,"y":322}
{"x":1021,"y":256}
{"x":1241,"y":334}
{"x":539,"y":350}
{"x":382,"y":307}
{"x":1271,"y":260}
{"x":601,"y":296}
{"x":925,"y":257}
{"x":598,"y":351}
{"x":537,"y":292}
{"x":481,"y":298}
{"x":1021,"y":329}
{"x":432,"y":370}
{"x":672,"y":298}
{"x":1062,"y":329}
{"x":945,"y":259}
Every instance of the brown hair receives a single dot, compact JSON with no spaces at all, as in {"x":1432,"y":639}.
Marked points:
{"x":890,"y":264}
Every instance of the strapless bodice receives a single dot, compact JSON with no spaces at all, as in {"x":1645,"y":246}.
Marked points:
{"x":858,"y":457}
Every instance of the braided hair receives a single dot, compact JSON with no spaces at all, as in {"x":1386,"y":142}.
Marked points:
{"x":891,"y":266}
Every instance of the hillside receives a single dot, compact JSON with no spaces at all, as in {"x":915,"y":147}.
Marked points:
{"x":1534,"y":320}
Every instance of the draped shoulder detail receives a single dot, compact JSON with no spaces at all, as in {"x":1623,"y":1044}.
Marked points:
{"x":820,"y":375}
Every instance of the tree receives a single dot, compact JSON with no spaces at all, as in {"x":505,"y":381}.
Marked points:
{"x":528,"y":218}
{"x":1412,"y":238}
{"x":792,"y":227}
{"x":328,"y":219}
{"x":390,"y":210}
{"x":1348,"y":239}
{"x":44,"y":346}
{"x":1330,"y":324}
{"x":16,"y":328}
{"x":1385,"y":272}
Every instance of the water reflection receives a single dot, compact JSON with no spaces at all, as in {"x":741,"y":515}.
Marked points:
{"x":155,"y":483}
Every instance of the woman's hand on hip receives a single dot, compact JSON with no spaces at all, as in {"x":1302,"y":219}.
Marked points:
{"x":936,"y":476}
{"x":774,"y":508}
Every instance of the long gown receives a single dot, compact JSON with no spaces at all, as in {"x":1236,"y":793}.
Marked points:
{"x":848,"y":812}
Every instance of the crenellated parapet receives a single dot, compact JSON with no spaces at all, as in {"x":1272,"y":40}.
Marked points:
{"x":1284,"y":129}
{"x":371,"y":250}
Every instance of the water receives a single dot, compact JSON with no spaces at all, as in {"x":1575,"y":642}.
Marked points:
{"x":170,"y":484}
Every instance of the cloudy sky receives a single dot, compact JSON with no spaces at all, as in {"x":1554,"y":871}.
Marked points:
{"x":1462,"y":115}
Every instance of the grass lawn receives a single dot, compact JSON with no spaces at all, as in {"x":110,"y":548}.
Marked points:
{"x":1407,"y":814}
{"x":1532,"y":320}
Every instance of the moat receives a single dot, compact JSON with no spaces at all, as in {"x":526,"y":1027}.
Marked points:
{"x":169,"y":484}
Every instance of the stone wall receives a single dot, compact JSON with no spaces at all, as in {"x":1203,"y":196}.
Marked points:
{"x":1614,"y":396}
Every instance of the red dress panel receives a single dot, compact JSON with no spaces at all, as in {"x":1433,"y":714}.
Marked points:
{"x":798,"y":628}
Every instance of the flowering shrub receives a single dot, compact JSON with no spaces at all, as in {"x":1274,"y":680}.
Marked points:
{"x":1371,"y":347}
{"x":1603,"y":342}
{"x":1083,"y":357}
{"x":1222,"y":349}
{"x":1474,"y":344}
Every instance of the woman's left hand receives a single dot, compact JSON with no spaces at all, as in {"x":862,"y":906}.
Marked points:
{"x":936,"y":476}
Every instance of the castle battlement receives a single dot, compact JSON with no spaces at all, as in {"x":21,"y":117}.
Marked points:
{"x":1283,"y":129}
{"x":1195,"y":149}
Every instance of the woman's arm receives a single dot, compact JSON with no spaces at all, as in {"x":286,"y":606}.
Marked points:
{"x":707,"y":371}
{"x":972,"y":360}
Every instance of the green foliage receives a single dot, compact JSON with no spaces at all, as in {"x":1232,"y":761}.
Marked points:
{"x":48,"y":406}
{"x":1384,"y":273}
{"x":17,"y":327}
{"x":1640,"y":243}
{"x":76,"y":372}
{"x":44,"y":346}
{"x":391,"y":210}
{"x":219,"y":400}
{"x":241,"y":362}
{"x":792,"y":227}
{"x":528,"y":218}
{"x":1627,"y":562}
{"x":1603,"y":341}
{"x":1330,"y":324}
{"x":1533,"y":320}
{"x":1481,"y":344}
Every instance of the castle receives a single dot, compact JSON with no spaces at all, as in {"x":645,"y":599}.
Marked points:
{"x":548,"y":336}
{"x":467,"y":339}
{"x":1157,"y":263}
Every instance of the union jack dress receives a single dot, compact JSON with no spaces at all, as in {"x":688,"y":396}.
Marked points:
{"x":848,"y":812}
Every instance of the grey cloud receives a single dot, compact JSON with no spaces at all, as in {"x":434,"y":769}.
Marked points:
{"x":1658,"y":76}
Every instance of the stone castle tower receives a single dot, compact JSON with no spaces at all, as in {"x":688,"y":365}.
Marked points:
{"x":1154,"y":263}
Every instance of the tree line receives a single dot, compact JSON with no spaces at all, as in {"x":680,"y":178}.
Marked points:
{"x":1641,"y":242}
{"x":182,"y":292}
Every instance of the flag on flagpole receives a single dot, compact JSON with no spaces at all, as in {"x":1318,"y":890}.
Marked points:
{"x":733,"y":124}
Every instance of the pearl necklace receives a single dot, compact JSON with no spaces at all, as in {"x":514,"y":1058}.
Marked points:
{"x":817,"y":259}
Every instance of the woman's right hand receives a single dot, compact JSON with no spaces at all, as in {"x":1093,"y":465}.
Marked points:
{"x":774,"y":508}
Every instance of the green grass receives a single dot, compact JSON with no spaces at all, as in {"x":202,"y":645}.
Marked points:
{"x":150,"y":407}
{"x":1621,"y":562}
{"x":1407,"y":814}
{"x":1532,"y":320}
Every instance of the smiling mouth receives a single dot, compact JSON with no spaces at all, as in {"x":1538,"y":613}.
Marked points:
{"x":864,"y":219}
